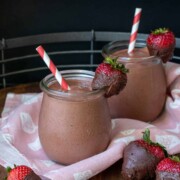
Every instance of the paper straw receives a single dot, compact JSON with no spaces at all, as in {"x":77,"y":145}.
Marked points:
{"x":52,"y":68}
{"x":134,"y":29}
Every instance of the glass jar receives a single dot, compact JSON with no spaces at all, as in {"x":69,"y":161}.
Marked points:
{"x":144,"y":96}
{"x":73,"y":125}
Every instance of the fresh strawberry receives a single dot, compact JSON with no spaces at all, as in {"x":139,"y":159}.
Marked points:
{"x":141,"y":157}
{"x":168,"y":168}
{"x":21,"y":172}
{"x":110,"y":75}
{"x":161,"y":42}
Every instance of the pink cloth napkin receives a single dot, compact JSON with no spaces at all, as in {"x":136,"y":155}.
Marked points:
{"x":19,"y":141}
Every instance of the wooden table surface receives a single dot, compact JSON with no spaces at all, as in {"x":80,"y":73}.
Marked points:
{"x":112,"y":173}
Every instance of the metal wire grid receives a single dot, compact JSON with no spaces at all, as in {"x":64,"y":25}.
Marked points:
{"x":62,"y":37}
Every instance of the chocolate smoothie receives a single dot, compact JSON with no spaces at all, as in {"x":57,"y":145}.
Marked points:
{"x":73,"y":125}
{"x":144,"y":96}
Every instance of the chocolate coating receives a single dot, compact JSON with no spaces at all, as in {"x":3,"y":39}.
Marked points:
{"x":138,"y":163}
{"x":32,"y":176}
{"x":165,"y":54}
{"x":113,"y":84}
{"x":160,"y":175}
{"x":3,"y":172}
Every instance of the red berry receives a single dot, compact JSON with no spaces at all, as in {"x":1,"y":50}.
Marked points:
{"x":161,"y":38}
{"x":161,"y":42}
{"x":110,"y":75}
{"x":19,"y":172}
{"x":108,"y":69}
{"x":171,"y":165}
{"x":141,"y":157}
{"x":153,"y":149}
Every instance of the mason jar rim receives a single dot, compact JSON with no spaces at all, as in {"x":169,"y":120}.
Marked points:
{"x":50,"y":79}
{"x":114,"y":46}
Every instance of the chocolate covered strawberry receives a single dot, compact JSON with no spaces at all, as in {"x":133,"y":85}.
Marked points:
{"x":141,"y":157}
{"x":110,"y":75}
{"x":161,"y":42}
{"x":21,"y":172}
{"x":3,"y":172}
{"x":168,"y":169}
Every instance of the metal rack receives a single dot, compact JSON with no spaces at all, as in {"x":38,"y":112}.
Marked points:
{"x":91,"y":50}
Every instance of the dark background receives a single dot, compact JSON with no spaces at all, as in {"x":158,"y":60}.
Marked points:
{"x":29,"y":17}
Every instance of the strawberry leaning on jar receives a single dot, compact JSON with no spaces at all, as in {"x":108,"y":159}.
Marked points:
{"x":110,"y":75}
{"x":21,"y":172}
{"x":168,"y":168}
{"x":161,"y":42}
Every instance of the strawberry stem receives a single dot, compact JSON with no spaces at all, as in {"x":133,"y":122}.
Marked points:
{"x":160,"y":31}
{"x":146,"y":137}
{"x":116,"y":65}
{"x":175,"y":158}
{"x":8,"y":169}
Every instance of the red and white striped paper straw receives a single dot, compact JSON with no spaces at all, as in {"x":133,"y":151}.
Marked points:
{"x":52,"y":68}
{"x":134,"y":30}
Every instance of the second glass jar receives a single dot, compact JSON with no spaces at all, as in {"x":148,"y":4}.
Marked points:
{"x":144,"y":95}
